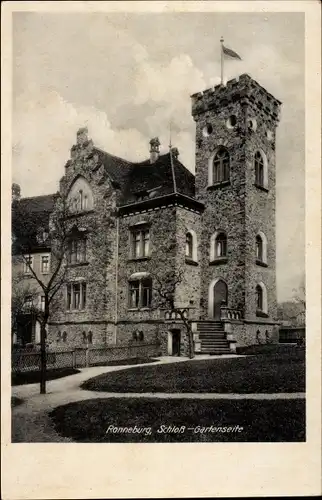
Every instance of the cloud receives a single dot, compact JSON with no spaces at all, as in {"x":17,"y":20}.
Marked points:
{"x":42,"y":144}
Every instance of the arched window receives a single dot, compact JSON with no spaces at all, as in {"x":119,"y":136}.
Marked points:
{"x":261,"y":248}
{"x":218,"y":245}
{"x":221,"y":245}
{"x":64,"y":336}
{"x":261,"y":169}
{"x":261,"y":299}
{"x":90,"y":337}
{"x":220,"y":166}
{"x":191,"y":246}
{"x":80,"y":196}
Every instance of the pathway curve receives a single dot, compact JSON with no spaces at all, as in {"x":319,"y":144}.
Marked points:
{"x":30,"y":420}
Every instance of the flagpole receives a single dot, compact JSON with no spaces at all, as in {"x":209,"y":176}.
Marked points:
{"x":222,"y":60}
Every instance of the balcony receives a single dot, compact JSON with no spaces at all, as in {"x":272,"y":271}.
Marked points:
{"x":227,"y":313}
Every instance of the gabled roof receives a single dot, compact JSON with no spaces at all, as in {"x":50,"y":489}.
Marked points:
{"x":156,"y":179}
{"x":38,"y":204}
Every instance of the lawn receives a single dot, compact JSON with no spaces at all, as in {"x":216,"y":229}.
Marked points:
{"x":276,"y":371}
{"x":93,"y":421}
{"x":33,"y":377}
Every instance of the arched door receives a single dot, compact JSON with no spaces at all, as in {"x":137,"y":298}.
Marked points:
{"x":220,"y":298}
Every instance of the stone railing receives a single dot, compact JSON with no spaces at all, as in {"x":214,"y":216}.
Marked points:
{"x":227,"y":313}
{"x":175,"y":315}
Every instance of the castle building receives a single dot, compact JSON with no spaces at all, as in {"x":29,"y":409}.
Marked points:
{"x":132,"y":225}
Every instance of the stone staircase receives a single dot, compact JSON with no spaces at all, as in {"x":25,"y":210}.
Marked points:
{"x":213,"y":338}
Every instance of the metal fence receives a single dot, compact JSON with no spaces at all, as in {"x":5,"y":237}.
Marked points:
{"x":80,"y":357}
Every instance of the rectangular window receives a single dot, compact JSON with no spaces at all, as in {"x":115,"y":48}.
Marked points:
{"x":45,"y":264}
{"x":77,"y":251}
{"x":134,"y":294}
{"x":28,"y":263}
{"x":42,"y":303}
{"x":140,"y":293}
{"x":76,"y":296}
{"x":140,"y":242}
{"x":146,"y":293}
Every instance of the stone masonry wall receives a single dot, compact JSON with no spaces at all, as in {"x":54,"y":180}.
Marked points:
{"x":99,"y":270}
{"x":162,"y":226}
{"x":238,"y":208}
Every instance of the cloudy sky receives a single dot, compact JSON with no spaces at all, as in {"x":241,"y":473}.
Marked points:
{"x":126,"y":76}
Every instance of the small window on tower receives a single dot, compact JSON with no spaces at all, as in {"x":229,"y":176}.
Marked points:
{"x":207,"y":130}
{"x":231,"y":122}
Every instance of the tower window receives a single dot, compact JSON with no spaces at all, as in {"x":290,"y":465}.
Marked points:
{"x":221,"y":245}
{"x":261,"y":300}
{"x":191,"y":246}
{"x":221,"y":166}
{"x":218,"y":247}
{"x":231,"y":122}
{"x":261,"y":170}
{"x":207,"y":130}
{"x":259,"y":248}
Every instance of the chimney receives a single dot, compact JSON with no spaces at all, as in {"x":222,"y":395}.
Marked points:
{"x":154,"y":149}
{"x":175,"y":152}
{"x":15,"y":192}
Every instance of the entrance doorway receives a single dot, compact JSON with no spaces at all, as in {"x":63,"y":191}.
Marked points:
{"x":220,"y":298}
{"x":174,"y":342}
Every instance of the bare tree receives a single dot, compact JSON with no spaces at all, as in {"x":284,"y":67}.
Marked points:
{"x":29,"y":234}
{"x":29,"y":230}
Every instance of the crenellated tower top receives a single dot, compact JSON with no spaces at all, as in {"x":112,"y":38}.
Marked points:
{"x":244,"y":90}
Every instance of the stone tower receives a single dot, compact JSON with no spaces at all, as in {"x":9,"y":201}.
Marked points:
{"x":235,"y":179}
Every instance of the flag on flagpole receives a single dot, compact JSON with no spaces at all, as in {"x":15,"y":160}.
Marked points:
{"x":230,"y":53}
{"x":226,"y":52}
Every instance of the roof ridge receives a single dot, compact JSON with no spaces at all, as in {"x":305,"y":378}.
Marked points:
{"x":113,"y":156}
{"x":37,"y":196}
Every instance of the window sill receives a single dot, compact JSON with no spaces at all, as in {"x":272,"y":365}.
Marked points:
{"x":70,"y":311}
{"x":191,"y":262}
{"x":261,"y":263}
{"x":218,"y":261}
{"x":139,"y":309}
{"x":261,"y":314}
{"x":78,"y":264}
{"x":138,"y":259}
{"x":217,"y":185}
{"x":262,"y":188}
